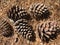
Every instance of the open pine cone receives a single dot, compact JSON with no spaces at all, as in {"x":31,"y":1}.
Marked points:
{"x":25,"y":29}
{"x":16,"y":13}
{"x":39,"y":11}
{"x":48,"y":30}
{"x":5,"y":28}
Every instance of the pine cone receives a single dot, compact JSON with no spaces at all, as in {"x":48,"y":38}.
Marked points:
{"x":24,"y":29}
{"x":16,"y":13}
{"x":5,"y":28}
{"x":48,"y":30}
{"x":39,"y":11}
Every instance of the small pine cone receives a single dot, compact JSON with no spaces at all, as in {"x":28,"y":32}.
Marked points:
{"x":39,"y":11}
{"x":24,"y":29}
{"x":16,"y":13}
{"x":5,"y":28}
{"x":48,"y":30}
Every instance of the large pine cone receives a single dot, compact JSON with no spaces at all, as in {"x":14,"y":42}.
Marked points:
{"x":25,"y":29}
{"x":48,"y":30}
{"x":39,"y":11}
{"x":16,"y":13}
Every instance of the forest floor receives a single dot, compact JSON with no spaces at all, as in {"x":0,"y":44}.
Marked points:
{"x":5,"y":5}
